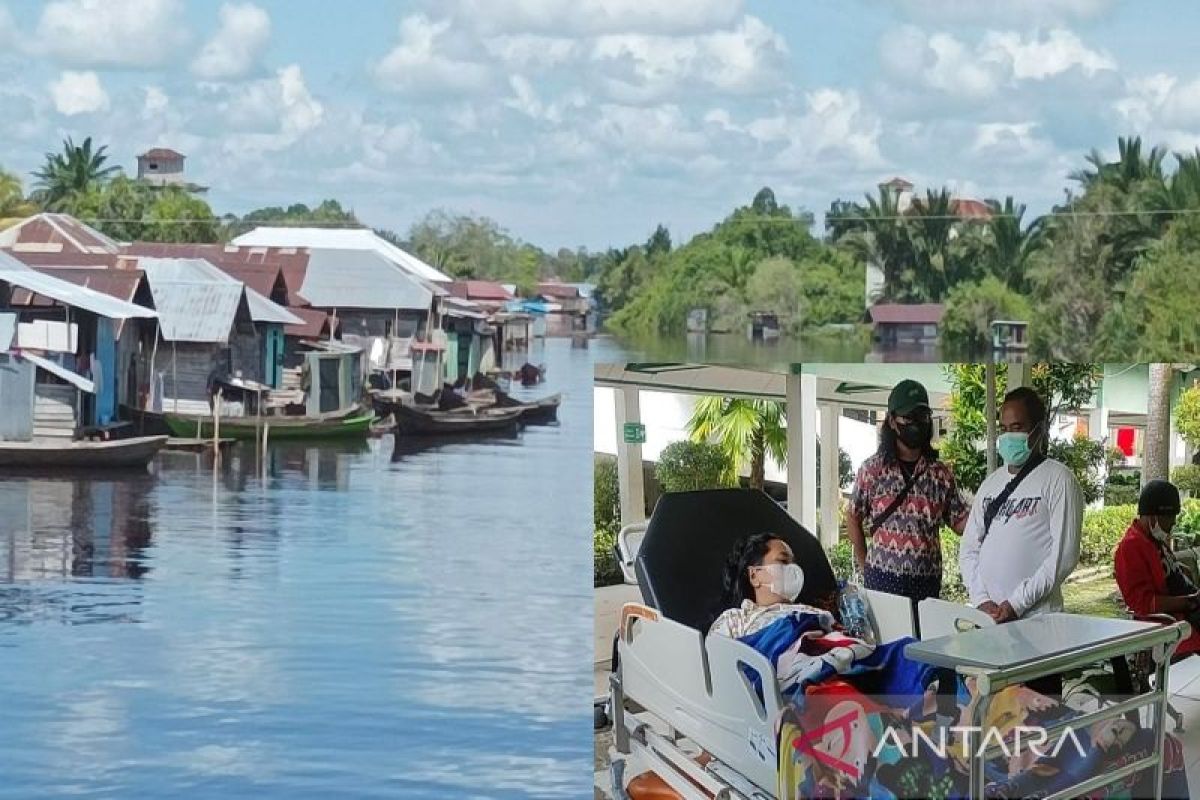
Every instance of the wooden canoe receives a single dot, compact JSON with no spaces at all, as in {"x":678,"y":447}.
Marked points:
{"x":115,"y":453}
{"x":422,"y":422}
{"x":354,"y":424}
{"x":537,"y":412}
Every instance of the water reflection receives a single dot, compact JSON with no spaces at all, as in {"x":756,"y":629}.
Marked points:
{"x":55,"y":528}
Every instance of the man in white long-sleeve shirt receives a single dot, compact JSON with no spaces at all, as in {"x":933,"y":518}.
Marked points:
{"x":1014,"y":565}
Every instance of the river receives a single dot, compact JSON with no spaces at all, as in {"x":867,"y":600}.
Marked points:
{"x":357,"y":622}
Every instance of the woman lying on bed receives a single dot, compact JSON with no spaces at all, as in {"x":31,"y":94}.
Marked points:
{"x":844,"y":694}
{"x":806,"y":645}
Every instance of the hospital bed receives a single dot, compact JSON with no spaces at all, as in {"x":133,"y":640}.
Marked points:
{"x":685,"y":708}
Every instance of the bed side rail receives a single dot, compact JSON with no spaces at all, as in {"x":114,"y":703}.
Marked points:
{"x":891,"y":613}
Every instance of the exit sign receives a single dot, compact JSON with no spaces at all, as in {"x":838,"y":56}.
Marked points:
{"x":635,"y":433}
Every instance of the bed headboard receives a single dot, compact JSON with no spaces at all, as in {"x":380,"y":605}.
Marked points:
{"x":689,"y":537}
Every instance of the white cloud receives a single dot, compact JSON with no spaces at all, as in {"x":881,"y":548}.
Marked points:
{"x":111,"y":33}
{"x":155,"y":103}
{"x":598,"y":17}
{"x":418,"y":63}
{"x":78,"y":93}
{"x":834,"y":124}
{"x":1002,"y":58}
{"x":1022,"y":12}
{"x":1012,"y":142}
{"x":271,"y":114}
{"x":234,"y":50}
{"x":528,"y":50}
{"x":1145,"y":99}
{"x":634,"y":130}
{"x":645,"y":68}
{"x":1038,"y":58}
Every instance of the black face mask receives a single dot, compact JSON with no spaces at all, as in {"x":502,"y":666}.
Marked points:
{"x":915,"y":434}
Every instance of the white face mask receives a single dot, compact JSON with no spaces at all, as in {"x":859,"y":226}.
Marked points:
{"x":786,"y":580}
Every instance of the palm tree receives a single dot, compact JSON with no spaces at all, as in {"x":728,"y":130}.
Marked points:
{"x":1127,"y":172}
{"x":1010,"y":246}
{"x":876,"y":234}
{"x":70,"y":174}
{"x":747,"y":431}
{"x":12,"y":199}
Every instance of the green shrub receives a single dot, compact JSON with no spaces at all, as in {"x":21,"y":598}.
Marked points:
{"x":1120,"y":493}
{"x":687,"y":466}
{"x":1085,"y":458}
{"x":841,"y":558}
{"x":606,"y":570}
{"x":1102,"y":529}
{"x":607,"y":496}
{"x":1188,"y":523}
{"x":953,"y":588}
{"x":607,"y":514}
{"x":1187,"y":478}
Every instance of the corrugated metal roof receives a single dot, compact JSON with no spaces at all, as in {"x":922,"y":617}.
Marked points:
{"x":263,"y":310}
{"x":57,"y":232}
{"x":195,"y":311}
{"x":17,"y":274}
{"x":73,"y":378}
{"x":341,"y":239}
{"x":199,"y":271}
{"x":291,"y":261}
{"x":361,"y":279}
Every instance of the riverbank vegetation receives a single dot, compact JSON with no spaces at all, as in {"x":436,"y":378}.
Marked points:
{"x":1104,"y":276}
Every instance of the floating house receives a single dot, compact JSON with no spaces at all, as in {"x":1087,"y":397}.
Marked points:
{"x":212,"y":324}
{"x":274,"y":272}
{"x":116,"y":277}
{"x":574,"y":310}
{"x":906,"y":324}
{"x":69,"y":333}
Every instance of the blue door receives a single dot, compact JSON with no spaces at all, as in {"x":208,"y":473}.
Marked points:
{"x":273,"y":364}
{"x":106,"y":387}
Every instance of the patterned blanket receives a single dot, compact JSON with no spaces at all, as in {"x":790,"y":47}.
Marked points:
{"x":866,"y":721}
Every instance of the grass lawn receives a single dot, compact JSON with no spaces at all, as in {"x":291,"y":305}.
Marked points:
{"x":1096,"y":596}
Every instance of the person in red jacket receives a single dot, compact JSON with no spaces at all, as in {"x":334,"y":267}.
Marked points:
{"x":1149,"y":576}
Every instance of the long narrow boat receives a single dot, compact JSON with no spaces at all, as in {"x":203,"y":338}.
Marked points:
{"x":420,"y":422}
{"x":356,"y":424}
{"x":116,"y":453}
{"x":537,"y":412}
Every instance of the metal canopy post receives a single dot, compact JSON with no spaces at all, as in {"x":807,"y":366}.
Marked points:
{"x":830,"y":473}
{"x":989,"y":411}
{"x":800,"y":392}
{"x":630,"y":479}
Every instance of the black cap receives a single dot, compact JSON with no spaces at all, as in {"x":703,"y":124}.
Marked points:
{"x":1158,"y":498}
{"x":907,"y":396}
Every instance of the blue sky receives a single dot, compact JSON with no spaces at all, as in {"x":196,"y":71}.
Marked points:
{"x":587,"y":122}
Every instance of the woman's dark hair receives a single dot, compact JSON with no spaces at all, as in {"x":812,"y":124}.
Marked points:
{"x":735,"y":584}
{"x":887,"y":442}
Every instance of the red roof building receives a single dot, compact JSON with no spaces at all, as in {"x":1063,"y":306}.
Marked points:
{"x":55,"y":233}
